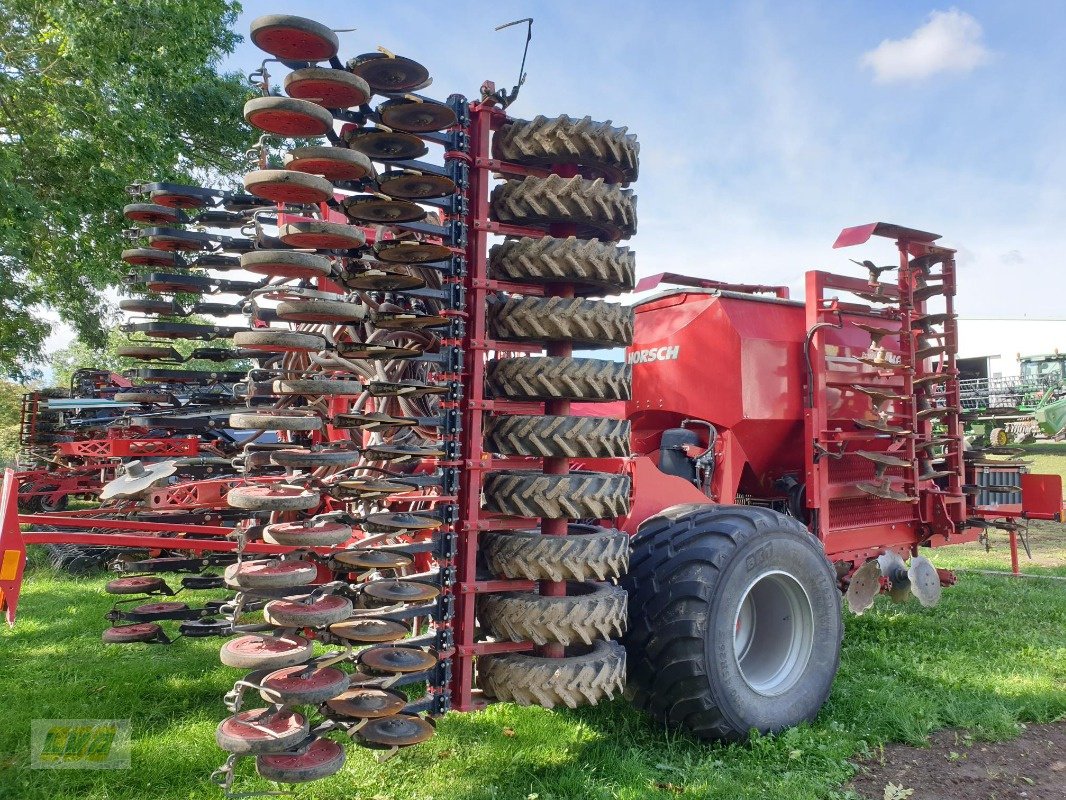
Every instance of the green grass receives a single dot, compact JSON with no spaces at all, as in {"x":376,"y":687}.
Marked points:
{"x":993,"y":654}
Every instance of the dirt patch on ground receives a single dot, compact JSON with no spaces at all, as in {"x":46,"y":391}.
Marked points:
{"x":956,"y":767}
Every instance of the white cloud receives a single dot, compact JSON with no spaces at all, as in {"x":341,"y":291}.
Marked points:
{"x":950,"y":41}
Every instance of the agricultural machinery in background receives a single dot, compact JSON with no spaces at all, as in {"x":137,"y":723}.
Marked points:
{"x":1009,"y":410}
{"x":430,"y":506}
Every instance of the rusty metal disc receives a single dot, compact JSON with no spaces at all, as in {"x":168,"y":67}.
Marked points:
{"x":885,"y":459}
{"x":404,"y":389}
{"x":883,"y":490}
{"x":878,"y":394}
{"x":388,"y":74}
{"x":370,"y":631}
{"x":876,"y":333}
{"x":373,"y":559}
{"x":882,"y":427}
{"x":932,"y":319}
{"x":927,"y":261}
{"x":925,"y":292}
{"x":405,"y":320}
{"x":376,"y":352}
{"x":372,"y":421}
{"x":400,"y":452}
{"x":364,"y":489}
{"x":400,"y":591}
{"x":877,"y":363}
{"x":410,"y":251}
{"x":864,"y":587}
{"x":415,"y":186}
{"x":399,"y":730}
{"x":371,"y":208}
{"x":367,"y":703}
{"x":923,"y":380}
{"x":397,"y":659}
{"x":382,"y":145}
{"x":373,"y":277}
{"x":416,"y":116}
{"x":386,"y":521}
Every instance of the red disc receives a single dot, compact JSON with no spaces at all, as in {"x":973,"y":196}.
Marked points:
{"x":253,"y":725}
{"x":159,"y":608}
{"x":327,"y":92}
{"x":147,"y":257}
{"x":294,"y":38}
{"x":139,"y":585}
{"x":175,"y":200}
{"x":291,"y":680}
{"x":140,"y":632}
{"x":322,"y":759}
{"x":172,"y":243}
{"x":145,"y":212}
{"x":254,"y":645}
{"x":293,"y":608}
{"x":286,"y":123}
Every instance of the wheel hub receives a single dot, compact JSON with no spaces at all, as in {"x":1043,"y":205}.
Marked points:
{"x":773,"y":633}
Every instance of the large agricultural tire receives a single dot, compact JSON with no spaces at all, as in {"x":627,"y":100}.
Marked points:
{"x":558,"y":378}
{"x":585,"y":676}
{"x":558,"y":437}
{"x":589,"y":263}
{"x":586,"y":323}
{"x":589,"y":612}
{"x":597,"y":146}
{"x":587,"y":552}
{"x":595,"y":208}
{"x":574,"y":495}
{"x":734,"y":621}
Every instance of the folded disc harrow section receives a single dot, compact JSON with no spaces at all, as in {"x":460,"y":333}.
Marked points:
{"x":384,"y":486}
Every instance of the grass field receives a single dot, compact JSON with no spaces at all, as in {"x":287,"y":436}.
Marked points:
{"x":990,"y":657}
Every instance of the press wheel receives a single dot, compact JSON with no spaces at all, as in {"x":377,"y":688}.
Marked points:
{"x":294,"y":38}
{"x":317,"y":234}
{"x":322,"y":759}
{"x":336,"y":164}
{"x":331,"y":88}
{"x":287,"y":116}
{"x":288,"y":186}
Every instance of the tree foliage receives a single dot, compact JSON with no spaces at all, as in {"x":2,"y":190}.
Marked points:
{"x":93,"y":97}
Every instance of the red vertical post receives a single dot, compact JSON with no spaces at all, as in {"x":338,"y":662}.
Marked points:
{"x":471,"y":455}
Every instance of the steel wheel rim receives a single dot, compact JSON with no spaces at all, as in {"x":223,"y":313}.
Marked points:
{"x":773,"y":633}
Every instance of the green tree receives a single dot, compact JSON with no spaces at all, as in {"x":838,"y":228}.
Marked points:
{"x":95,"y":96}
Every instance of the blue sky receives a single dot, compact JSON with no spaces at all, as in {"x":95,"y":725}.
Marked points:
{"x":765,"y":127}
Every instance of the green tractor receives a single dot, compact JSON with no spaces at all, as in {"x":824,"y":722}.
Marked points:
{"x":1002,"y":411}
